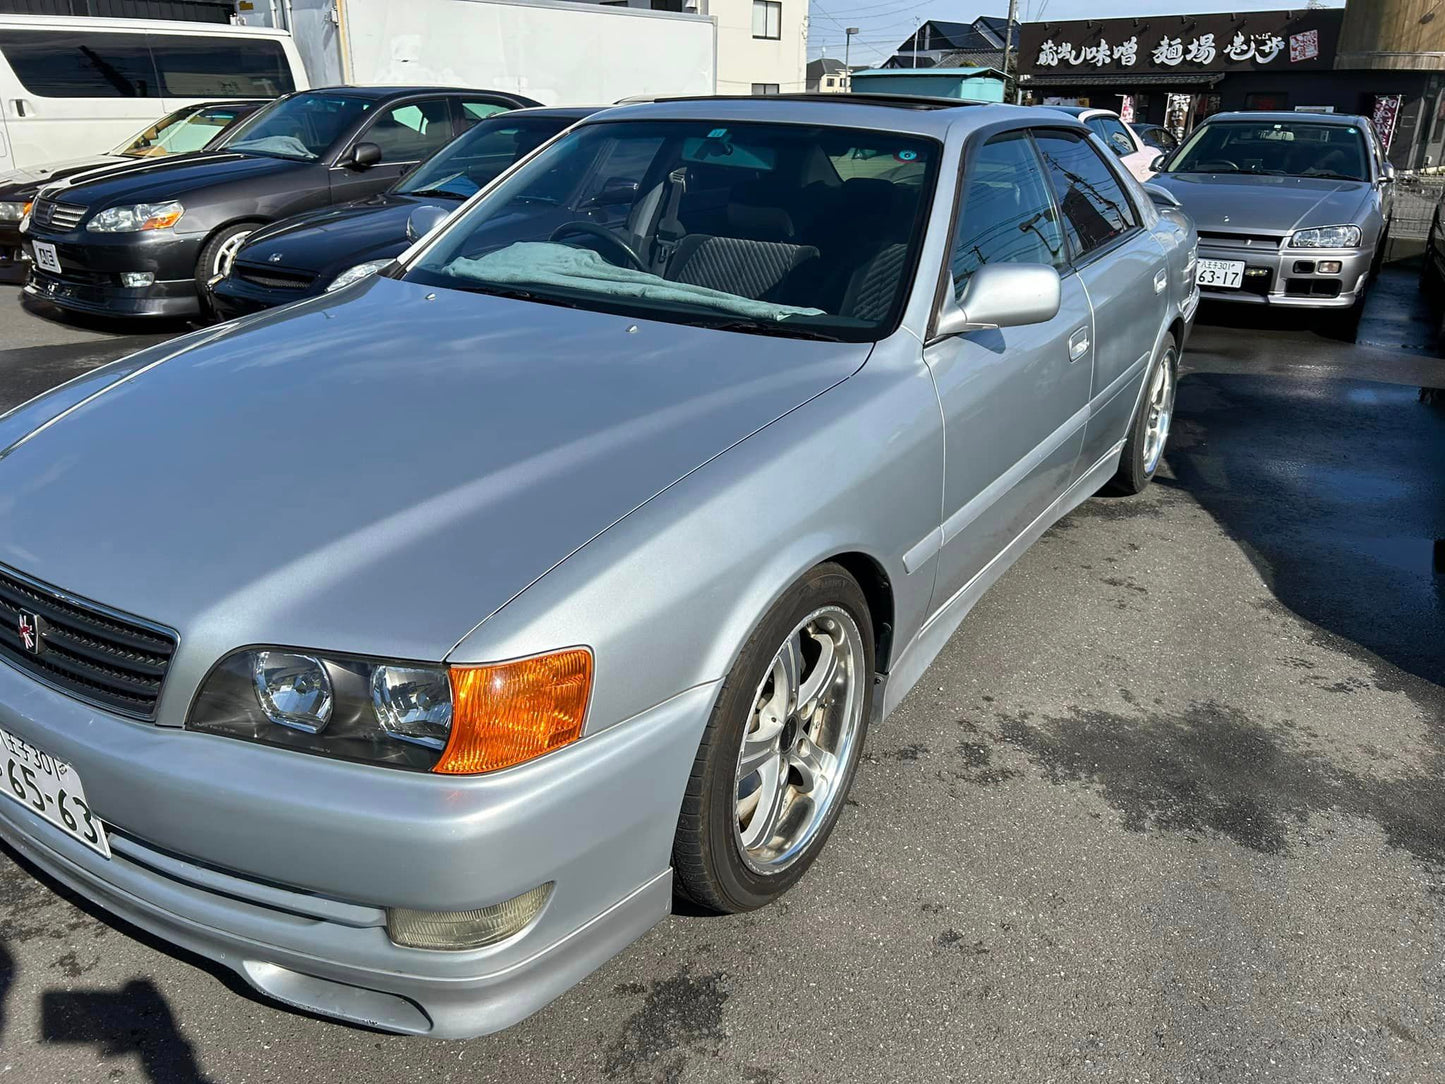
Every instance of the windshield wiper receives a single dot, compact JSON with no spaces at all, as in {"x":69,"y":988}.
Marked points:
{"x":513,"y":292}
{"x":759,"y":327}
{"x":443,"y":192}
{"x":1327,"y":175}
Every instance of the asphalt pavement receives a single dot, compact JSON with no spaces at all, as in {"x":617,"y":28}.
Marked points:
{"x":1167,"y":808}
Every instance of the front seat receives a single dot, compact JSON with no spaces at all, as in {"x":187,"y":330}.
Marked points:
{"x":759,"y":270}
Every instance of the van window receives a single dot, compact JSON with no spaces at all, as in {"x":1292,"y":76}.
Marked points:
{"x":201,"y":67}
{"x":80,"y":63}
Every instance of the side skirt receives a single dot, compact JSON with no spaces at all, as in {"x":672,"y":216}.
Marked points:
{"x":924,"y":647}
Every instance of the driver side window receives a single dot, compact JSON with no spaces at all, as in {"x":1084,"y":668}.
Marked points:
{"x":411,"y":132}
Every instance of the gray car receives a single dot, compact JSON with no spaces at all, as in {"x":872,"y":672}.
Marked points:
{"x":405,"y":649}
{"x":1293,"y":209}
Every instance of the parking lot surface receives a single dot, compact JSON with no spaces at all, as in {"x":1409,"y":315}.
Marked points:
{"x":1168,"y":807}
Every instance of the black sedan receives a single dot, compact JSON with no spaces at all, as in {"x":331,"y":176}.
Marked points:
{"x":303,"y":256}
{"x":191,"y":128}
{"x":144,"y":240}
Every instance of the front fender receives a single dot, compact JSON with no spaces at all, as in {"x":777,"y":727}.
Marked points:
{"x":668,"y":595}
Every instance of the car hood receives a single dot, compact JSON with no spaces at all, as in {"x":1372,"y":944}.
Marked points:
{"x":25,"y":181}
{"x":158,"y":179}
{"x":1248,"y":203}
{"x":375,"y":471}
{"x":335,"y":238}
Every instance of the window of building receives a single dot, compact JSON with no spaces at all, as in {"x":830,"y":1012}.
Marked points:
{"x":766,"y":88}
{"x":828,"y":82}
{"x":1008,"y":215}
{"x":1096,"y":210}
{"x":768,"y":19}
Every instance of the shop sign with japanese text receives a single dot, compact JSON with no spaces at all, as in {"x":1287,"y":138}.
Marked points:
{"x":1265,"y":40}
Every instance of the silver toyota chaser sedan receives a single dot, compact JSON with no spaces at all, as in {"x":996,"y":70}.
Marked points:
{"x":406,"y":648}
{"x":1292,"y":208}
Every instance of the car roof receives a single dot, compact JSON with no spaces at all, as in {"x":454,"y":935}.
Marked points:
{"x":379,"y":92}
{"x":1342,"y":119}
{"x":903,"y":114}
{"x":561,"y":112}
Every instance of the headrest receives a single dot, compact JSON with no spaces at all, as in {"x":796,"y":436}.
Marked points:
{"x":756,"y":222}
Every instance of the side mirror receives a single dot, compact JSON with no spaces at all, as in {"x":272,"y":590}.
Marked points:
{"x":1161,"y":195}
{"x":1387,"y":173}
{"x":423,"y":221}
{"x":1001,"y":295}
{"x":1158,"y":164}
{"x":364,"y":156}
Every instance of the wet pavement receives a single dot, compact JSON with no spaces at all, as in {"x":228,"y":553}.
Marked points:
{"x":1168,"y":807}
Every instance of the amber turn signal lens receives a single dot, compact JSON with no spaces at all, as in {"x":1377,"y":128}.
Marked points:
{"x":514,"y":711}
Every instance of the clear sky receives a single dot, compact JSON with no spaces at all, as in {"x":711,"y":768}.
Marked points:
{"x":883,"y":25}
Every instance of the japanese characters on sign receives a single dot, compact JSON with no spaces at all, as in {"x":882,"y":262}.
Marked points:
{"x":1183,"y":43}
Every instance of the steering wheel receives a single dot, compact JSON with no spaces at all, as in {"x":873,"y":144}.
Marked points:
{"x":615,"y":245}
{"x":1215,"y":165}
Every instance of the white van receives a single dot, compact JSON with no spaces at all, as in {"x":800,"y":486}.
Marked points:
{"x":74,"y":86}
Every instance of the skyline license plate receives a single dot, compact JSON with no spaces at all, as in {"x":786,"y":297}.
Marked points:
{"x":49,"y":788}
{"x":46,"y":258}
{"x":1221,"y":274}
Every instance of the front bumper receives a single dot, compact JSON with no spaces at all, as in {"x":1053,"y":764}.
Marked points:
{"x":91,"y":264}
{"x":1278,"y":276}
{"x":280,"y":865}
{"x":234,"y":296}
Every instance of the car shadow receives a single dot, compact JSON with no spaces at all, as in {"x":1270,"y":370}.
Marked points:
{"x":1332,"y":489}
{"x":133,"y":1019}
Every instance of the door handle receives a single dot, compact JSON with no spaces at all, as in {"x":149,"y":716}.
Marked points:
{"x":18,"y":104}
{"x":1078,"y":344}
{"x":1161,"y":280}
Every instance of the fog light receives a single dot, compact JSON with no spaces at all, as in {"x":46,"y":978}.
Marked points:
{"x":1328,"y":267}
{"x":452,"y":930}
{"x":137,"y":278}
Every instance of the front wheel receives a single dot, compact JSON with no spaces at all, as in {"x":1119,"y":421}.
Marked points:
{"x":1149,"y":431}
{"x":217,"y":256}
{"x":781,"y":749}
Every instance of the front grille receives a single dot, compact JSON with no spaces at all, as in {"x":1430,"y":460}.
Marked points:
{"x":96,"y":655}
{"x":1252,"y":242}
{"x":274,"y":279}
{"x":60,"y":216}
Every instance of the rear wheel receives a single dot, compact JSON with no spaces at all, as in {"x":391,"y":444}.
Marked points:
{"x":1149,"y":432}
{"x":217,"y":255}
{"x":781,"y":749}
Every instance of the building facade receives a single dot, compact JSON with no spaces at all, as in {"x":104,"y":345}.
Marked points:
{"x":762,"y":45}
{"x":1176,"y":70}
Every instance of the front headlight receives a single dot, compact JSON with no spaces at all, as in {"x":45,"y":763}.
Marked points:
{"x":456,"y":720}
{"x":138,"y":217}
{"x":12,"y":211}
{"x":356,"y":274}
{"x":1327,"y":237}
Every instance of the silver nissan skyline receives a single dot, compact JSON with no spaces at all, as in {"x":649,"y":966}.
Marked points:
{"x":407,"y":648}
{"x":1293,"y":209}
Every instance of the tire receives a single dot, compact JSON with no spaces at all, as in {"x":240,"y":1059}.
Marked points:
{"x":1142,"y":455}
{"x":721,"y":860}
{"x":216,"y":255}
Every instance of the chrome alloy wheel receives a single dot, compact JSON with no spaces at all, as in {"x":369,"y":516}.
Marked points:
{"x":805,"y":718}
{"x":1160,"y":407}
{"x":226,"y":254}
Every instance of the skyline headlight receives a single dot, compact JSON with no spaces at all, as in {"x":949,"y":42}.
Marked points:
{"x":356,"y":274}
{"x":455,"y":720}
{"x":137,"y":217}
{"x":1327,"y":237}
{"x":12,"y":210}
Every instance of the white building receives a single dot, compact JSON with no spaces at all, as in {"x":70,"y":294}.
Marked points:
{"x":762,"y":45}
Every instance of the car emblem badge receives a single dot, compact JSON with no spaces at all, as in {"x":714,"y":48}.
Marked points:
{"x":275,"y":257}
{"x":32,"y":632}
{"x":1226,"y":218}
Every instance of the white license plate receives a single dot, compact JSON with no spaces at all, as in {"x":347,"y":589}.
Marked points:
{"x":1221,"y":273}
{"x":49,"y":788}
{"x":46,"y":258}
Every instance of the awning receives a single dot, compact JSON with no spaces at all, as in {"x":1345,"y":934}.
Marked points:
{"x":1085,"y":79}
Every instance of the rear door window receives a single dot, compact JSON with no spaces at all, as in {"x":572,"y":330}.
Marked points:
{"x":80,"y":63}
{"x":1113,"y":134}
{"x":1008,"y":215}
{"x":193,"y":66}
{"x":1095,"y":208}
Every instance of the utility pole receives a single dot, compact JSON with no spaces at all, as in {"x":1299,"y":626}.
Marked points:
{"x":1008,"y":47}
{"x":848,"y":33}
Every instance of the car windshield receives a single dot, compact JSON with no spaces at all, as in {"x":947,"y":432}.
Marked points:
{"x":303,"y":126}
{"x":467,"y":164}
{"x":182,"y":131}
{"x":1280,"y":148}
{"x":768,"y":228}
